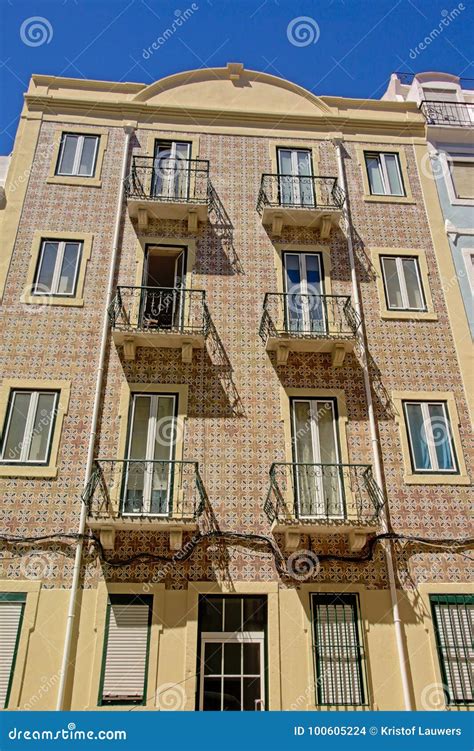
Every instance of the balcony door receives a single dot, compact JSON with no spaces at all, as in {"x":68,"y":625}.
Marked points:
{"x":148,"y":469}
{"x":304,"y":308}
{"x":318,"y":479}
{"x":170,"y":179}
{"x":296,"y":177}
{"x":162,"y":299}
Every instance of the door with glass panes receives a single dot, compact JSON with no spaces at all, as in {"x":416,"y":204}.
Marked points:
{"x":296,"y":182}
{"x":318,"y":482}
{"x":304,"y":302}
{"x":162,"y":300}
{"x":148,"y":476}
{"x":171,"y":170}
{"x":232,"y":653}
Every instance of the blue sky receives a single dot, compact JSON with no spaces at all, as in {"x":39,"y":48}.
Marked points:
{"x":343,"y":47}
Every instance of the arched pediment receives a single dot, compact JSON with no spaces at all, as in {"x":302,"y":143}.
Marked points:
{"x":232,"y":88}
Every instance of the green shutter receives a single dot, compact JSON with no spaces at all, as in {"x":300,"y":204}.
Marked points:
{"x":453,"y":617}
{"x":11,"y":616}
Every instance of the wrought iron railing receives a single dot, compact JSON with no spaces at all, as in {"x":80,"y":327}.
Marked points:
{"x":329,"y":493}
{"x":143,"y":488}
{"x":460,"y":114}
{"x":169,"y":179}
{"x":300,"y":191}
{"x":307,"y":315}
{"x":155,"y":309}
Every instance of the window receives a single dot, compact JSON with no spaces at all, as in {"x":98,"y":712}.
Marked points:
{"x":304,"y":309}
{"x":148,"y":486}
{"x":462,"y":176}
{"x":171,"y":170}
{"x":126,"y":649}
{"x":29,"y":427}
{"x":385,"y":177}
{"x":433,"y":94}
{"x":430,"y":439}
{"x":296,"y":182}
{"x":11,"y":616}
{"x":402,"y":283}
{"x":453,"y":618}
{"x":58,"y":267}
{"x":77,"y":155}
{"x":232,"y":653}
{"x":338,"y":650}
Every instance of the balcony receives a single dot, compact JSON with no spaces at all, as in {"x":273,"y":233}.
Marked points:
{"x":295,"y":322}
{"x":172,"y":188}
{"x":300,"y":201}
{"x":142,"y":496}
{"x":323,"y":499}
{"x":159,"y":317}
{"x":458,"y":114}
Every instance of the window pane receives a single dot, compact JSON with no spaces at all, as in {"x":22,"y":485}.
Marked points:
{"x":252,"y":691}
{"x":375,"y":176}
{"x":232,"y":690}
{"x":68,"y":154}
{"x":233,"y":614}
{"x":441,"y":437}
{"x":463,"y":178}
{"x":140,"y":427}
{"x":86,"y":165}
{"x":67,"y":279}
{"x":165,"y":428}
{"x":213,"y":659}
{"x":418,"y":438}
{"x":391,"y":165}
{"x":251,"y":659}
{"x":392,"y":283}
{"x":212,"y":695}
{"x":16,"y":430}
{"x":41,"y":428}
{"x":44,"y":281}
{"x":254,"y":613}
{"x":232,"y":658}
{"x":211,"y":619}
{"x":415,"y":297}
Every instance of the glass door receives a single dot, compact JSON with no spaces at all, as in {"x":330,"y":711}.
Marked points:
{"x":318,"y":480}
{"x":171,"y":170}
{"x":304,"y":302}
{"x":232,"y":672}
{"x":162,"y":305}
{"x":148,"y":468}
{"x":296,"y":181}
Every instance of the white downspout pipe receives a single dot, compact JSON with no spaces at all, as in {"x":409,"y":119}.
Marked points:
{"x":402,"y":653}
{"x":95,"y":415}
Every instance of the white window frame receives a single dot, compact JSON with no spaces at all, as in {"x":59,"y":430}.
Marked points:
{"x":446,"y":159}
{"x":380,"y":156}
{"x":296,"y":187}
{"x":77,"y":156}
{"x":28,"y":433}
{"x":151,"y":436}
{"x":430,"y":442}
{"x":402,"y":282}
{"x":61,"y":246}
{"x":467,"y":254}
{"x":228,"y":637}
{"x":306,"y":303}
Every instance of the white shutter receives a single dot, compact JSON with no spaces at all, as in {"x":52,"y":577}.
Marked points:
{"x":338,"y":653}
{"x":10,"y":619}
{"x":455,"y":626}
{"x":126,"y":655}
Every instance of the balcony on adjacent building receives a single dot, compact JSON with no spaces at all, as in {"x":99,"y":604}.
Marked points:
{"x":295,"y":322}
{"x":171,"y":188}
{"x":142,"y":495}
{"x":323,"y":499}
{"x":457,"y":114}
{"x":300,"y":201}
{"x":169,"y":317}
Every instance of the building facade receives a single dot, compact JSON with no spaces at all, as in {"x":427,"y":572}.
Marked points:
{"x":235,"y":430}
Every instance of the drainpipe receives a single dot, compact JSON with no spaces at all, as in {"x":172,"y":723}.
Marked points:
{"x":401,"y":649}
{"x":129,"y":129}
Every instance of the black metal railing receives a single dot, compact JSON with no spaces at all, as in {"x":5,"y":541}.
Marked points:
{"x":307,"y":315}
{"x":329,"y":493}
{"x":172,"y":309}
{"x":169,"y":179}
{"x":460,"y":114}
{"x":145,"y":488}
{"x":300,"y":191}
